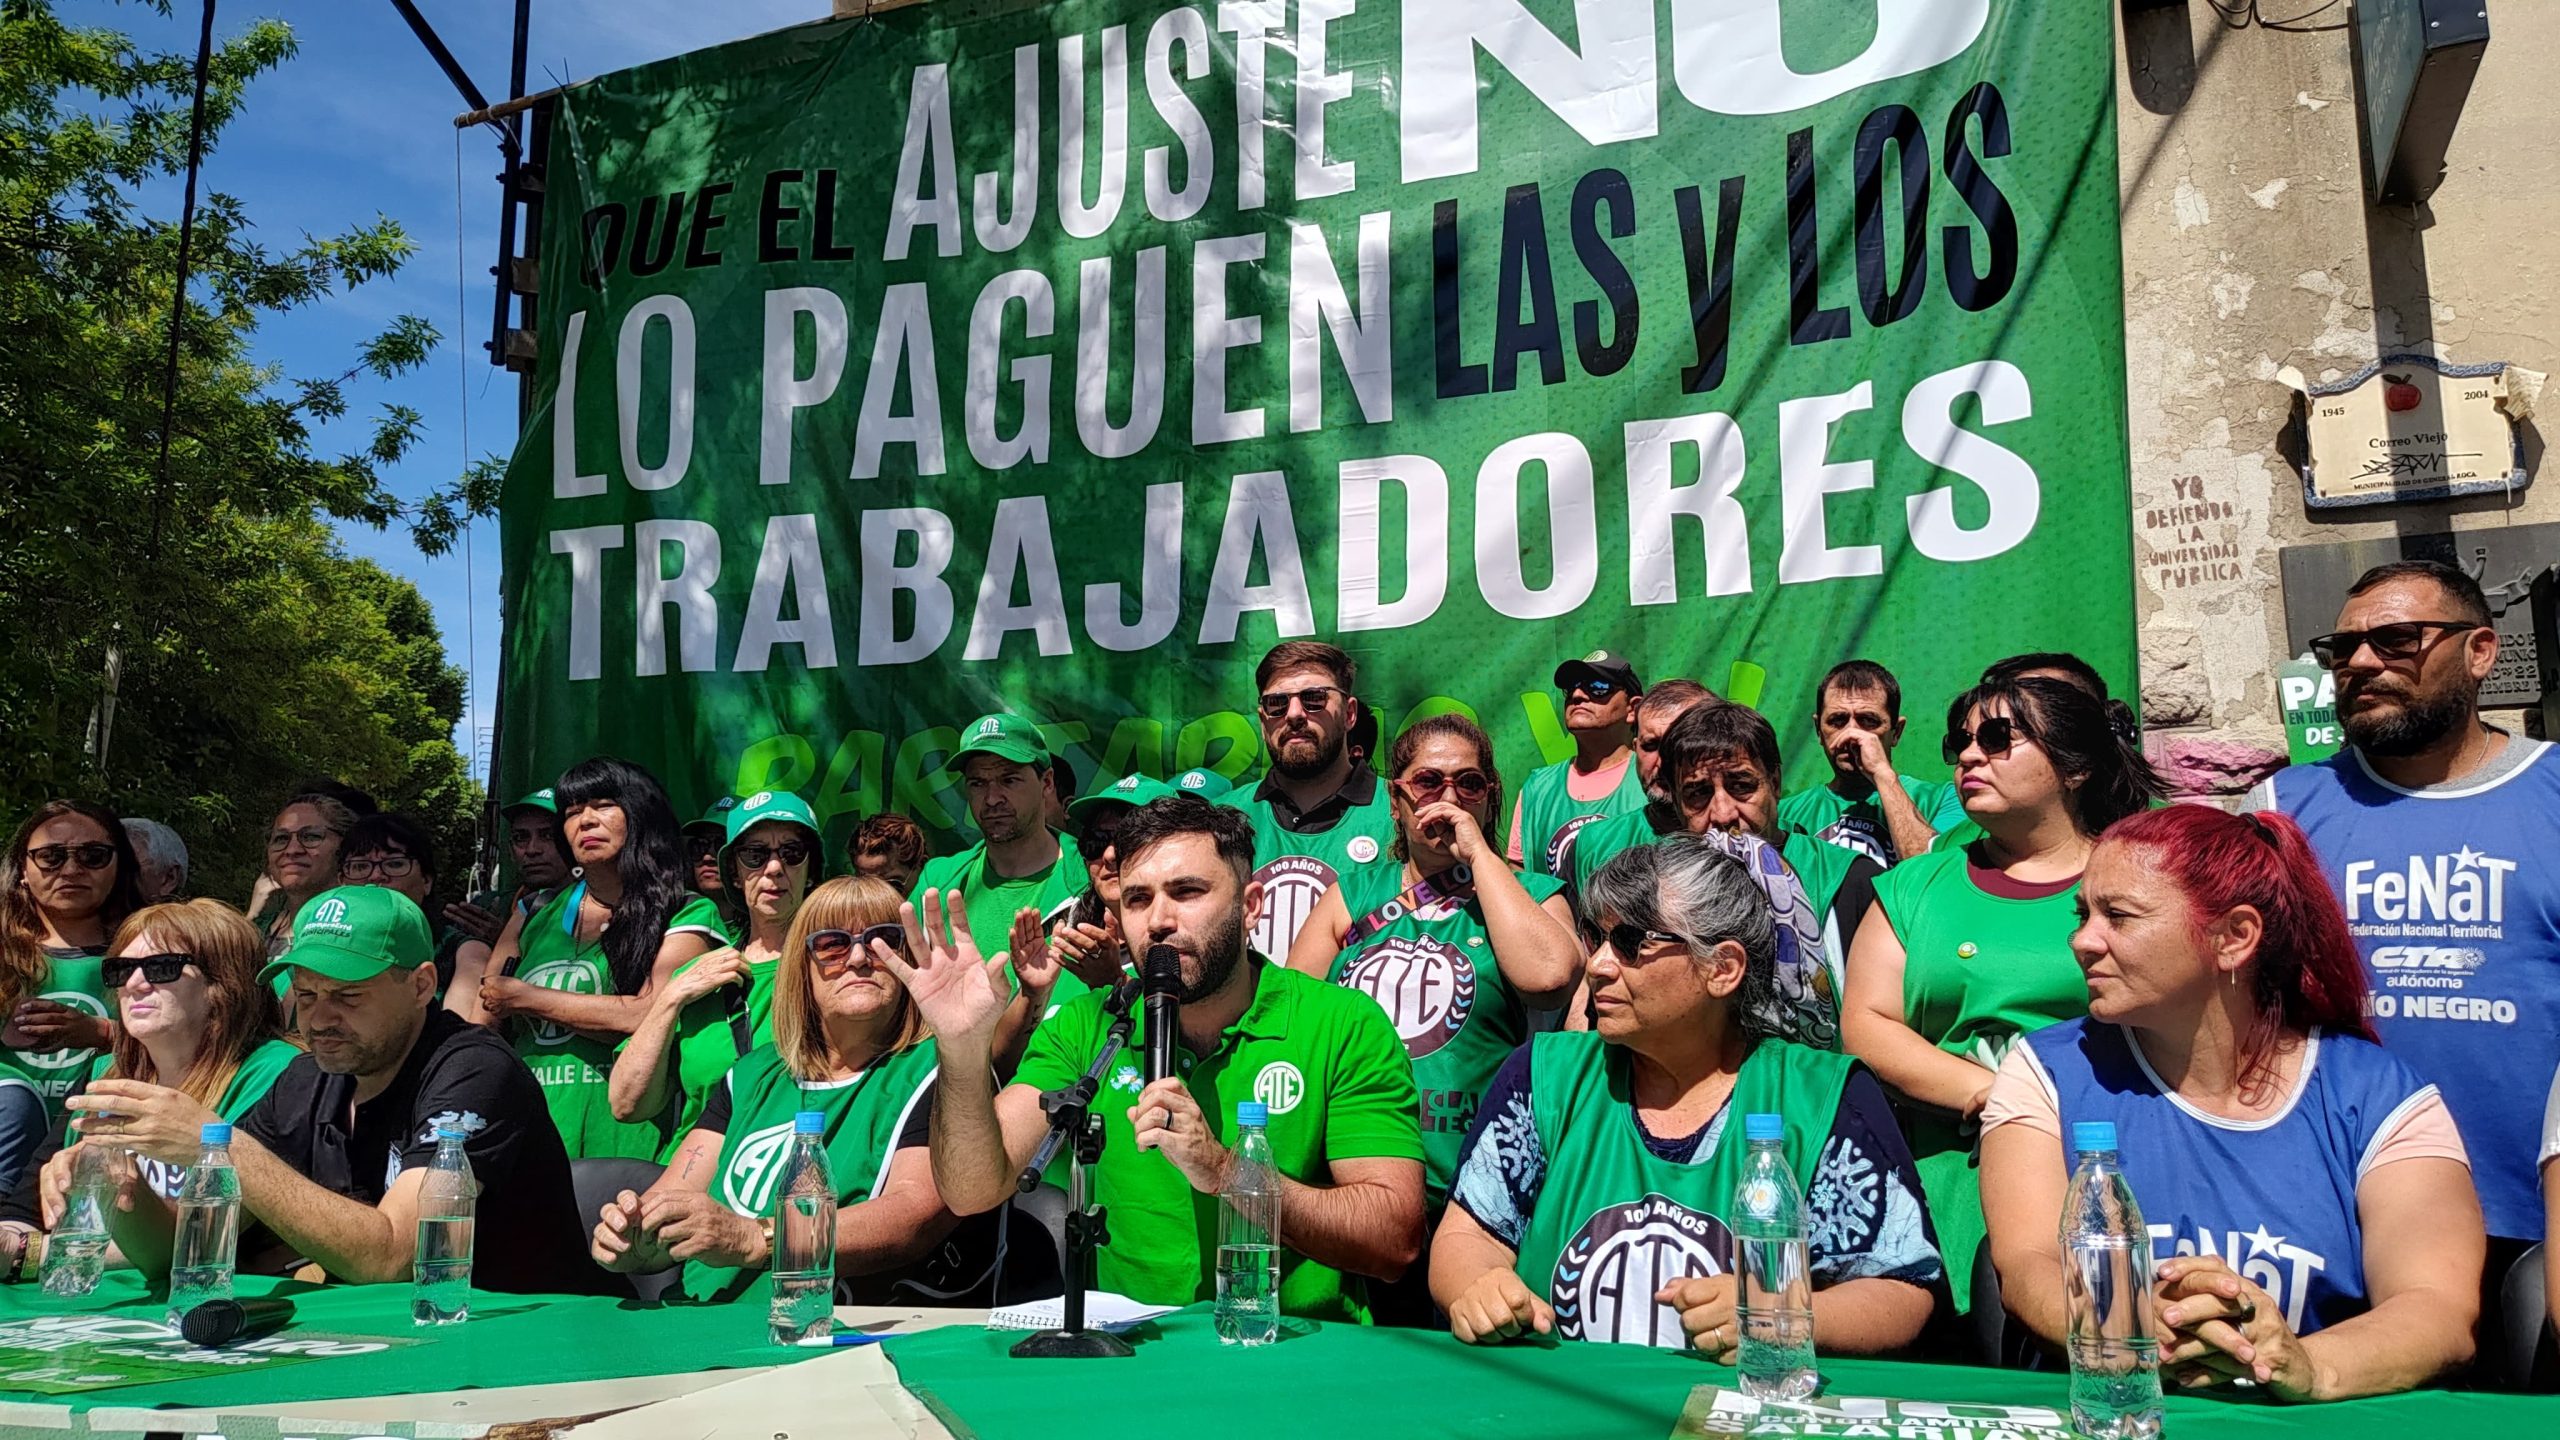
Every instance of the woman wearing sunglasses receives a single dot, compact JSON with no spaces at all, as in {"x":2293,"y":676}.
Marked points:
{"x":1444,"y":934}
{"x":67,"y":884}
{"x":720,"y":1007}
{"x":573,"y":978}
{"x":849,"y":1045}
{"x":1968,"y":947}
{"x":1593,"y":1199}
{"x":190,"y":1015}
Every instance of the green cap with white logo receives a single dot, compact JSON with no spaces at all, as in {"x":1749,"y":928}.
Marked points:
{"x":1007,"y":737}
{"x":1130,"y":790}
{"x":715,"y":818}
{"x":1205,"y":784}
{"x":782,"y":807}
{"x":542,"y":800}
{"x":354,"y":933}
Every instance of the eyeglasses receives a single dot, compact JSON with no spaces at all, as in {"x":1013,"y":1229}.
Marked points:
{"x":1994,"y":735}
{"x":2402,"y":641}
{"x":1596,"y":689}
{"x":1314,"y":698}
{"x":1471,"y":785}
{"x":836,"y":951}
{"x":158,"y":969}
{"x":1626,"y":941}
{"x":389,"y":867}
{"x":793,"y":852}
{"x":90,"y":855}
{"x":308,"y":839}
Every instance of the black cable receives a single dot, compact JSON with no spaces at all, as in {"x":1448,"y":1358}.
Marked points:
{"x":178,"y":295}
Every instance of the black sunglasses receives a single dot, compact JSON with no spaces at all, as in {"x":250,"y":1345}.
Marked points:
{"x":834,"y":950}
{"x":1625,"y":941}
{"x":158,"y":969}
{"x":1314,"y":698}
{"x":89,"y":855}
{"x":758,"y":855}
{"x":1995,"y":735}
{"x":2401,"y":641}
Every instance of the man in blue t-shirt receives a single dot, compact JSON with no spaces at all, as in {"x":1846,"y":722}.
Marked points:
{"x":2438,"y":833}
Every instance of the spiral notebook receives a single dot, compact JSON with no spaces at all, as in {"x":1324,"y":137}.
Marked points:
{"x":1102,"y":1311}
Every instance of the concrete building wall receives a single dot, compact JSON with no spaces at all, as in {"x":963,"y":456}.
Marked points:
{"x":2249,"y":247}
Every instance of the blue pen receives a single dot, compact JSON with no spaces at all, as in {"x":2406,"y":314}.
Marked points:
{"x":855,"y":1338}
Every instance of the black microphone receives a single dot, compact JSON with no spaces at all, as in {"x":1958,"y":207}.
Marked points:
{"x":1161,"y":976}
{"x":219,"y":1322}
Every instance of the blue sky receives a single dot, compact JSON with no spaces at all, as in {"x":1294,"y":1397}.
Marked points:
{"x":359,"y":124}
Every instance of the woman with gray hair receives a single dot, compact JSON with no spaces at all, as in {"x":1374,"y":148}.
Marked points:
{"x":1589,"y":1202}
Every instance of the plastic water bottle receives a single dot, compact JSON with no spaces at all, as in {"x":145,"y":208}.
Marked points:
{"x":804,"y":1239}
{"x":442,"y":1267}
{"x":207,"y":1246}
{"x":1773,"y":1268}
{"x":2114,"y":1336}
{"x":1249,"y":1236}
{"x":75,"y":1252}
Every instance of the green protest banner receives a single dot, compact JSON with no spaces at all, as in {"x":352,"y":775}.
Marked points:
{"x":2309,"y":695}
{"x":1061,"y":358}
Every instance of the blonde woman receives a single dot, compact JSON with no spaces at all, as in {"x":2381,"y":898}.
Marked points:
{"x":849,"y":1045}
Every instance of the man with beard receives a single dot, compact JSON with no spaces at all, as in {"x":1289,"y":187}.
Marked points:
{"x":2436,"y":831}
{"x":1323,"y":1059}
{"x":1867,"y":805}
{"x":1319,"y":811}
{"x":333,"y":1158}
{"x":1601,"y":692}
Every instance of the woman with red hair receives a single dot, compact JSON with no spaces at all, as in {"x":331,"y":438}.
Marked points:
{"x":2309,"y":1200}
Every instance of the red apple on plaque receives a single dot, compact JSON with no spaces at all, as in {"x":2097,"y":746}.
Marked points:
{"x":2398,"y":395}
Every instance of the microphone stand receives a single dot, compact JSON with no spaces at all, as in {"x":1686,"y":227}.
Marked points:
{"x":1072,"y":1122}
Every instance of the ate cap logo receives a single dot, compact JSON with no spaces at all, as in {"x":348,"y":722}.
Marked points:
{"x":1127,"y":782}
{"x":545,"y":794}
{"x":331,"y":917}
{"x":1194,"y":781}
{"x":759,"y":798}
{"x":1595,"y":657}
{"x":990,"y":726}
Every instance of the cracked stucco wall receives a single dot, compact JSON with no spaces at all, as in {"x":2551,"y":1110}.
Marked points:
{"x":2249,"y":247}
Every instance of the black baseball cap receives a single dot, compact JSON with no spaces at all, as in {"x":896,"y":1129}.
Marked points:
{"x":1598,"y":665}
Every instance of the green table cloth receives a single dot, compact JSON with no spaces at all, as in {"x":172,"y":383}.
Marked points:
{"x":1343,"y":1382}
{"x":509,"y":1340}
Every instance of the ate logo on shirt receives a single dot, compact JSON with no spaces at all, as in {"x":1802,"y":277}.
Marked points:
{"x":576,"y":977}
{"x":60,"y":1059}
{"x":2268,"y":1261}
{"x":2461,"y":896}
{"x":1426,"y":988}
{"x":1608,"y":1273}
{"x":746,"y":1186}
{"x":1563,"y":840}
{"x":1291,"y":886}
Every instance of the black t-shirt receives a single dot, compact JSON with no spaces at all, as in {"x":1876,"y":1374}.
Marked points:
{"x":529,"y":1238}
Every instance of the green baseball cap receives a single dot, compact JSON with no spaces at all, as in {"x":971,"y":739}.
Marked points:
{"x":542,"y":800}
{"x":715,"y":818}
{"x":354,"y":933}
{"x":1007,"y":737}
{"x":782,"y":807}
{"x":1206,"y":784}
{"x":1132,"y":790}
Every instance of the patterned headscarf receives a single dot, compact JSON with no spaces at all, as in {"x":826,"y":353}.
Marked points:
{"x":1804,"y":1006}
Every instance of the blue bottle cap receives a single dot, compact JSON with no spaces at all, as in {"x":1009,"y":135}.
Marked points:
{"x":217,"y":1133}
{"x":809,"y":1122}
{"x":1252,"y":1112}
{"x":2088,"y":1135}
{"x":1764,"y":1127}
{"x":449,"y":1132}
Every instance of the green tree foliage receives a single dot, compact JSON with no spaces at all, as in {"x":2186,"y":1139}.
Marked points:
{"x":249,"y":649}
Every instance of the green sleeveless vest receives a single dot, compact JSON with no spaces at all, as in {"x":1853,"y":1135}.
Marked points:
{"x":1614,"y":1223}
{"x":1549,"y":815}
{"x":575,"y":1069}
{"x":1296,"y":870}
{"x":1437,"y":980}
{"x":864,"y":1115}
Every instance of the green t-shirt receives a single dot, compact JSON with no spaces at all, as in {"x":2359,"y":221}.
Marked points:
{"x":1435,"y":975}
{"x":993,"y":901}
{"x":1978,"y":971}
{"x":574,"y":1068}
{"x":249,"y":1085}
{"x":71,"y":978}
{"x":1825,"y":814}
{"x":706,"y":1042}
{"x":1549,"y":815}
{"x":1326,"y":1062}
{"x":1296,"y":869}
{"x":865,"y":1115}
{"x":1613,"y":1221}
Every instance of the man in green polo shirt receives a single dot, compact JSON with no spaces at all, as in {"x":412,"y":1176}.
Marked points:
{"x":1004,"y":770}
{"x":1323,"y":1058}
{"x":1867,"y":805}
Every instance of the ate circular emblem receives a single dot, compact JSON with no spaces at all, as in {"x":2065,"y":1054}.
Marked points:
{"x":576,"y":977}
{"x":1563,"y":837}
{"x":1291,"y":886}
{"x":1280,"y":1087}
{"x":1608,"y":1273}
{"x":1426,"y":988}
